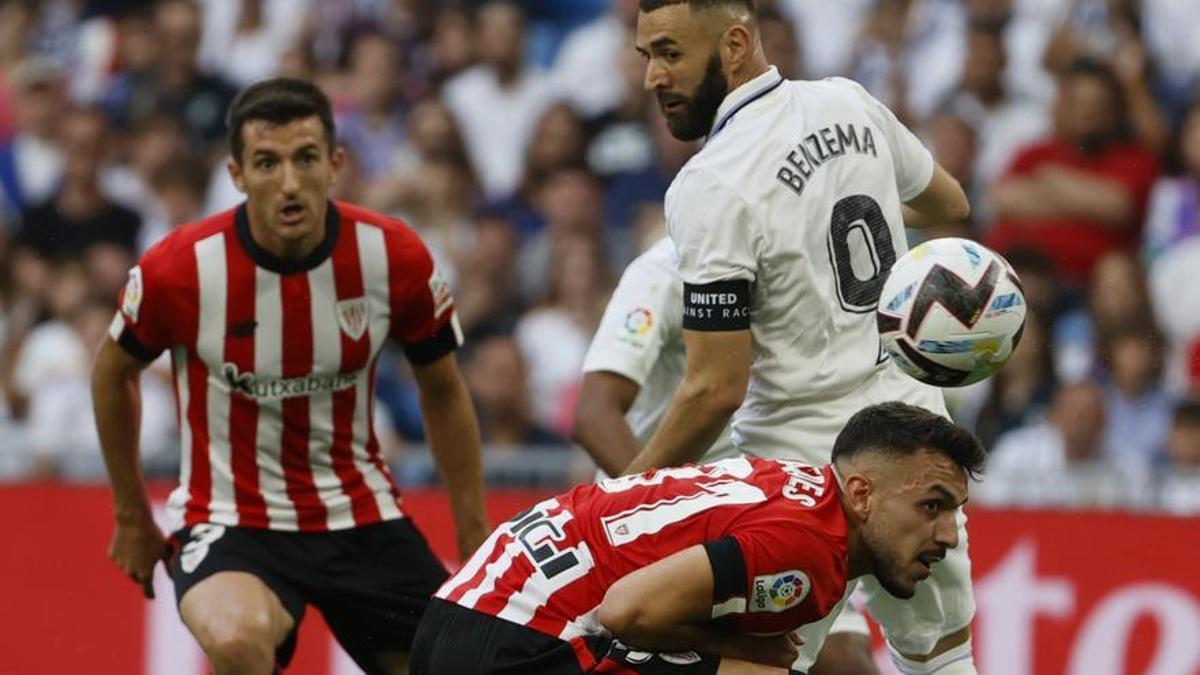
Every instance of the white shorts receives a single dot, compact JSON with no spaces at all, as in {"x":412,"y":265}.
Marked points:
{"x":944,"y":602}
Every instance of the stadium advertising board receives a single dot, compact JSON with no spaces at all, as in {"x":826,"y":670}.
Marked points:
{"x":1059,"y":593}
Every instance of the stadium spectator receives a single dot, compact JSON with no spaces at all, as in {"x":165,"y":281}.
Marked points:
{"x":496,"y":376}
{"x":826,"y":32}
{"x":1180,"y":489}
{"x":79,"y":216}
{"x":1173,"y":252}
{"x":31,"y":156}
{"x":570,"y":203}
{"x":371,"y":122}
{"x":1116,"y":299}
{"x":779,"y":43}
{"x":244,"y":41}
{"x":1004,"y":122}
{"x":554,"y":336}
{"x":488,"y":295}
{"x":1139,"y":408}
{"x":1081,"y":193}
{"x":909,"y":54}
{"x":1063,"y":461}
{"x":559,"y":142}
{"x":1019,"y":394}
{"x":498,"y":102}
{"x":627,"y":190}
{"x":587,"y":70}
{"x":175,"y":82}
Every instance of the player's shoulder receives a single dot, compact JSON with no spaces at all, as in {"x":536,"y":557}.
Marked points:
{"x":181,"y":241}
{"x":660,"y":260}
{"x":398,"y":236}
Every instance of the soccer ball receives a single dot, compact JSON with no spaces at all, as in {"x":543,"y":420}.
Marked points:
{"x":951,"y":312}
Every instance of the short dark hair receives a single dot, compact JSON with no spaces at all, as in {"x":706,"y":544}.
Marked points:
{"x":278,"y":100}
{"x":899,"y":429}
{"x":651,"y":5}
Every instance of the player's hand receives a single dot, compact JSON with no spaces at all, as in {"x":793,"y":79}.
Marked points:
{"x":137,"y":545}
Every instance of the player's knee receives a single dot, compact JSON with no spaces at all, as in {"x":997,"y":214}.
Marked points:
{"x":244,"y":643}
{"x":845,"y":654}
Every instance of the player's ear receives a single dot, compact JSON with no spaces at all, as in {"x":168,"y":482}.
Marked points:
{"x":235,"y":173}
{"x":858,"y":490}
{"x":737,"y":43}
{"x":337,"y":160}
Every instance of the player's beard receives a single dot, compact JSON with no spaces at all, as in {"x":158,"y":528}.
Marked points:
{"x":700,"y":110}
{"x":886,"y":564}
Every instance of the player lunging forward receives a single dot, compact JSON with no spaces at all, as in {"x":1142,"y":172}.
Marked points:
{"x":786,"y":223}
{"x":274,"y":314}
{"x":705,"y":568}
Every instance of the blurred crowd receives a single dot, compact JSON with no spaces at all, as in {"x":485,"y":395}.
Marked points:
{"x":515,"y":137}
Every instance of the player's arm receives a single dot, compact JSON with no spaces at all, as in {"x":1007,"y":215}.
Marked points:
{"x":137,"y":543}
{"x":453,"y":434}
{"x":600,"y":426}
{"x":942,"y":202}
{"x":713,"y":386}
{"x":681,"y":620}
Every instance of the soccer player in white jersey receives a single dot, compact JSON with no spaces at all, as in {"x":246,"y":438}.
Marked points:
{"x":786,"y":223}
{"x":274,"y":314}
{"x":635,"y":362}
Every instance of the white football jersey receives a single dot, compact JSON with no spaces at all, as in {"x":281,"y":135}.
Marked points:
{"x":641,"y":338}
{"x":791,"y":214}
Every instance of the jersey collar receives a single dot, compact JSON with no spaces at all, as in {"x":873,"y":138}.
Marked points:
{"x":269,"y":261}
{"x":743,"y":96}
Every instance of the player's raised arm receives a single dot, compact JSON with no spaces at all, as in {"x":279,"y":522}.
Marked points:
{"x":137,"y":543}
{"x":682,"y":619}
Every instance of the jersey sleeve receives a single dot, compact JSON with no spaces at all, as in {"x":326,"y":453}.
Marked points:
{"x":717,"y":239}
{"x":423,"y":318}
{"x":774,"y":577}
{"x":639,"y":320}
{"x":912,"y":161}
{"x":145,"y":315}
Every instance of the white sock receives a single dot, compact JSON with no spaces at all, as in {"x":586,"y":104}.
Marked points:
{"x":957,"y":661}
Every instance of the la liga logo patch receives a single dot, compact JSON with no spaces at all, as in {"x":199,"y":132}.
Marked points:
{"x":639,"y":321}
{"x":780,"y":592}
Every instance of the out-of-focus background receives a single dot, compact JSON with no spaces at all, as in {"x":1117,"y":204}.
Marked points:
{"x":515,"y":137}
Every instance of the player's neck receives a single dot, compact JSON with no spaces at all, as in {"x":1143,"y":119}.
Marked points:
{"x":858,"y":561}
{"x":289,"y":249}
{"x":754,"y":67}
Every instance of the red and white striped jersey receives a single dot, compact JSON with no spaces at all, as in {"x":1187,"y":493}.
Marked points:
{"x":774,"y":531}
{"x":274,"y":363}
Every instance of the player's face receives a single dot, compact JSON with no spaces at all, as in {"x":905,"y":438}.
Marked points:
{"x":683,"y":69}
{"x":911,"y":524}
{"x":287,"y":171}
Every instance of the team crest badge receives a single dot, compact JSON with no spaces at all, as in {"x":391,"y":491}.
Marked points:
{"x":353,"y":317}
{"x":131,"y":301}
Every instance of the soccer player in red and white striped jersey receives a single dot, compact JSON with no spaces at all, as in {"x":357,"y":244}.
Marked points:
{"x":718,"y":561}
{"x":274,"y":314}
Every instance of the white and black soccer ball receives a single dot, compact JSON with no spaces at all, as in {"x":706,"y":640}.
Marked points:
{"x":951,"y":312}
